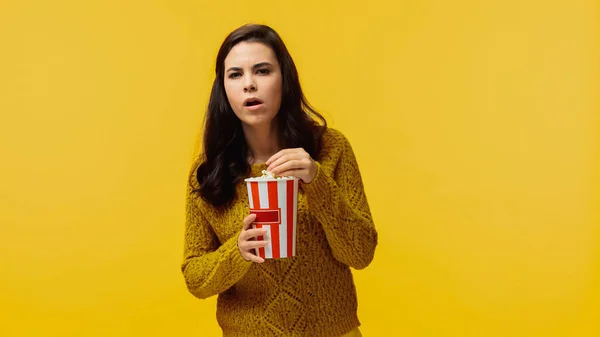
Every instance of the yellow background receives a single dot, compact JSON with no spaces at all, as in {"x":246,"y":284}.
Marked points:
{"x":475,"y":124}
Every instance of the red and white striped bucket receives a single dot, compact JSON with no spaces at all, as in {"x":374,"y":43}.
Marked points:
{"x":275,"y":203}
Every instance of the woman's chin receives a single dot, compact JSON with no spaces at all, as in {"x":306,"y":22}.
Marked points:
{"x":257,"y":121}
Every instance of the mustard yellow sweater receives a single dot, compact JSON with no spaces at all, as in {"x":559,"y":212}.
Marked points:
{"x":310,"y":294}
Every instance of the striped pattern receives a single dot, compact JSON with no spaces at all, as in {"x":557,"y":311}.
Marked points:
{"x":275,"y":204}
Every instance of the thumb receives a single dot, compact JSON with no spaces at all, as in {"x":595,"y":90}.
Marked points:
{"x":249,"y":220}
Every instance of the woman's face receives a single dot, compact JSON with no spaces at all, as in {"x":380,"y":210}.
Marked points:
{"x":253,"y":83}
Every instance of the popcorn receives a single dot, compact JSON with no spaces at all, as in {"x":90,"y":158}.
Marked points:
{"x":266,"y":175}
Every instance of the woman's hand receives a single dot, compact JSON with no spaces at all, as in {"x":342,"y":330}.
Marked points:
{"x":247,"y":240}
{"x":294,"y":163}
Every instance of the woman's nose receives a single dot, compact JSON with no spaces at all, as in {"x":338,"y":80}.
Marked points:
{"x":249,"y":85}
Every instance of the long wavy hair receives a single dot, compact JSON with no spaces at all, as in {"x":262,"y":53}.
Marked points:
{"x":224,"y":159}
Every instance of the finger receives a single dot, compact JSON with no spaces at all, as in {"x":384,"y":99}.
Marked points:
{"x":298,"y":155}
{"x":254,"y":244}
{"x":248,"y":221}
{"x":289,"y":165}
{"x":277,"y":156}
{"x":253,"y":258}
{"x":252,"y":233}
{"x":283,"y":153}
{"x":283,"y":159}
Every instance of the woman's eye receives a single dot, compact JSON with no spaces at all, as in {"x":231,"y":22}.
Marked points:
{"x":263,"y":71}
{"x":234,"y":75}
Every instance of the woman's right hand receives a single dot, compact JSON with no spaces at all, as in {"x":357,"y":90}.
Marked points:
{"x":247,"y":240}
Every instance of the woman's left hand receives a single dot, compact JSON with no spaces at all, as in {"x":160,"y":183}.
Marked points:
{"x":294,"y":163}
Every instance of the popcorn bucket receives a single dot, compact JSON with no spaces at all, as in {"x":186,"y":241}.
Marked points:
{"x":275,"y":203}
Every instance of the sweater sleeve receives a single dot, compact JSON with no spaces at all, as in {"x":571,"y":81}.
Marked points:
{"x":209,"y":267}
{"x":338,"y":201}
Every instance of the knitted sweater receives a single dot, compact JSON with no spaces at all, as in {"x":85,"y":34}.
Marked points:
{"x":310,"y":294}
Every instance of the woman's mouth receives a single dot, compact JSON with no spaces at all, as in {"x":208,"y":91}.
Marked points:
{"x":253,"y":103}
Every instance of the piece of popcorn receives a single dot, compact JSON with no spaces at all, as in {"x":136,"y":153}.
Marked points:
{"x":267,"y":174}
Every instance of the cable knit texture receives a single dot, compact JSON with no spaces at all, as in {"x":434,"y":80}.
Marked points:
{"x":310,"y":294}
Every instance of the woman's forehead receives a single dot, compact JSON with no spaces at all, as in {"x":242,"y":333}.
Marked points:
{"x":249,"y":53}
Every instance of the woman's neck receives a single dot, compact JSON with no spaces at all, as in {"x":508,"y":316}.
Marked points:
{"x":263,"y":142}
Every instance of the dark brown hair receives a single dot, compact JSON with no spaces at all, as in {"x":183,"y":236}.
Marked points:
{"x":225,"y":152}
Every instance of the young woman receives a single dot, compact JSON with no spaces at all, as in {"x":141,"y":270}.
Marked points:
{"x":258,"y":119}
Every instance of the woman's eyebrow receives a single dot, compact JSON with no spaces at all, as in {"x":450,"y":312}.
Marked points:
{"x":261,"y":64}
{"x":256,"y":66}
